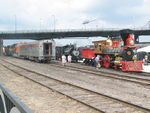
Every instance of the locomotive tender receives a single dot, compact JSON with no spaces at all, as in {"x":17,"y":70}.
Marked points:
{"x":118,"y":52}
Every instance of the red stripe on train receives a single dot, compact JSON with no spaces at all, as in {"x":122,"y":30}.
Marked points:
{"x":28,"y":46}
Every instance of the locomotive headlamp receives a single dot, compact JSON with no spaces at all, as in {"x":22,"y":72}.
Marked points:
{"x":129,"y":53}
{"x":132,"y":42}
{"x":75,"y":53}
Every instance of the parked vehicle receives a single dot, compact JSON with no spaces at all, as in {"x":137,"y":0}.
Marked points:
{"x":40,"y":51}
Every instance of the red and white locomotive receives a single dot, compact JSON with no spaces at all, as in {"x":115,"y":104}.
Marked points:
{"x":118,"y":52}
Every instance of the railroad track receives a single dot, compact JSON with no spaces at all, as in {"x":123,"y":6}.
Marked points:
{"x":139,"y":79}
{"x":95,"y":100}
{"x":145,"y":74}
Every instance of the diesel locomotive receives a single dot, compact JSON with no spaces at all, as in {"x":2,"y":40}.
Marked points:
{"x":117,"y":52}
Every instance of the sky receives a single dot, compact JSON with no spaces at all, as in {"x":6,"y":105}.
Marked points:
{"x":70,"y":14}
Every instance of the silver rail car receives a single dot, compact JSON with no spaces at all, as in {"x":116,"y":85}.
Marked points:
{"x":39,"y":51}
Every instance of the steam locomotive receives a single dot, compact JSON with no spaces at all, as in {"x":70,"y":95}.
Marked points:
{"x":117,"y":52}
{"x":68,"y":50}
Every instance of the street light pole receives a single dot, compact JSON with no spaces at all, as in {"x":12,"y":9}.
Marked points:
{"x":149,"y":24}
{"x":15,"y":23}
{"x":54,"y":21}
{"x":87,"y":22}
{"x":40,"y":23}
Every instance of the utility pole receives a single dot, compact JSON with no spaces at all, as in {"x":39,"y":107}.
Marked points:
{"x":54,"y":21}
{"x":15,"y":23}
{"x":40,"y":23}
{"x":149,"y":24}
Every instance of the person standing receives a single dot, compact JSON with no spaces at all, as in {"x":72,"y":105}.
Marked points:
{"x":69,"y":58}
{"x":146,"y":59}
{"x":63,"y":60}
{"x":97,"y":61}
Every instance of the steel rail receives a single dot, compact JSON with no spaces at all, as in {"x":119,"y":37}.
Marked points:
{"x":106,"y":96}
{"x":127,"y":78}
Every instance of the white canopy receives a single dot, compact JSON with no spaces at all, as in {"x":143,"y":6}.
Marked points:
{"x":144,"y":49}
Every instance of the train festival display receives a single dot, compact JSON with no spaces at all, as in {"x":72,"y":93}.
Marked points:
{"x":117,"y":52}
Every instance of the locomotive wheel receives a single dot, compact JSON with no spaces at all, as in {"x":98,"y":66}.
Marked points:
{"x":107,"y":61}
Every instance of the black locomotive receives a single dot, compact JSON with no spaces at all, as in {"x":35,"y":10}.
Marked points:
{"x":68,"y":50}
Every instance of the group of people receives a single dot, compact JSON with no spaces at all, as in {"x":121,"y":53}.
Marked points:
{"x":69,"y":59}
{"x":65,"y":59}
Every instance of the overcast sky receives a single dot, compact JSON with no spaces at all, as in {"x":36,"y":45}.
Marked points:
{"x":70,"y":14}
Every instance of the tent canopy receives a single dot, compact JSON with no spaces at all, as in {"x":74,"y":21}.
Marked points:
{"x":144,"y":49}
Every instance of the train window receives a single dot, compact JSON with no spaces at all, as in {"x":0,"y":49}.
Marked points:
{"x":96,"y":45}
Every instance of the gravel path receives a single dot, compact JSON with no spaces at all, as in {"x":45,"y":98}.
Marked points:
{"x":39,"y":98}
{"x":130,"y":92}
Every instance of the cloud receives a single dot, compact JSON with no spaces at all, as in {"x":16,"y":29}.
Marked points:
{"x":122,"y":13}
{"x":31,"y":14}
{"x":70,"y":14}
{"x":34,"y":12}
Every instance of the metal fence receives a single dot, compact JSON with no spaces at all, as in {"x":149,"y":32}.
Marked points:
{"x":9,"y":103}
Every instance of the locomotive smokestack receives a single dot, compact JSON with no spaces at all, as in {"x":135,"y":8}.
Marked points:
{"x":124,"y":35}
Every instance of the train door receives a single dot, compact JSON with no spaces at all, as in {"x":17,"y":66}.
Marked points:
{"x":47,"y":47}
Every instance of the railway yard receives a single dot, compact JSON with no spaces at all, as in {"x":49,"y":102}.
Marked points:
{"x":66,"y":56}
{"x":75,"y":88}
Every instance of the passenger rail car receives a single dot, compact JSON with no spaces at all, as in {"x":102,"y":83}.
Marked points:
{"x":40,"y":51}
{"x":9,"y":50}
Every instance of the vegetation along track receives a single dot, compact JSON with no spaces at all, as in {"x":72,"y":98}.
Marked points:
{"x":133,"y":78}
{"x":94,"y":100}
